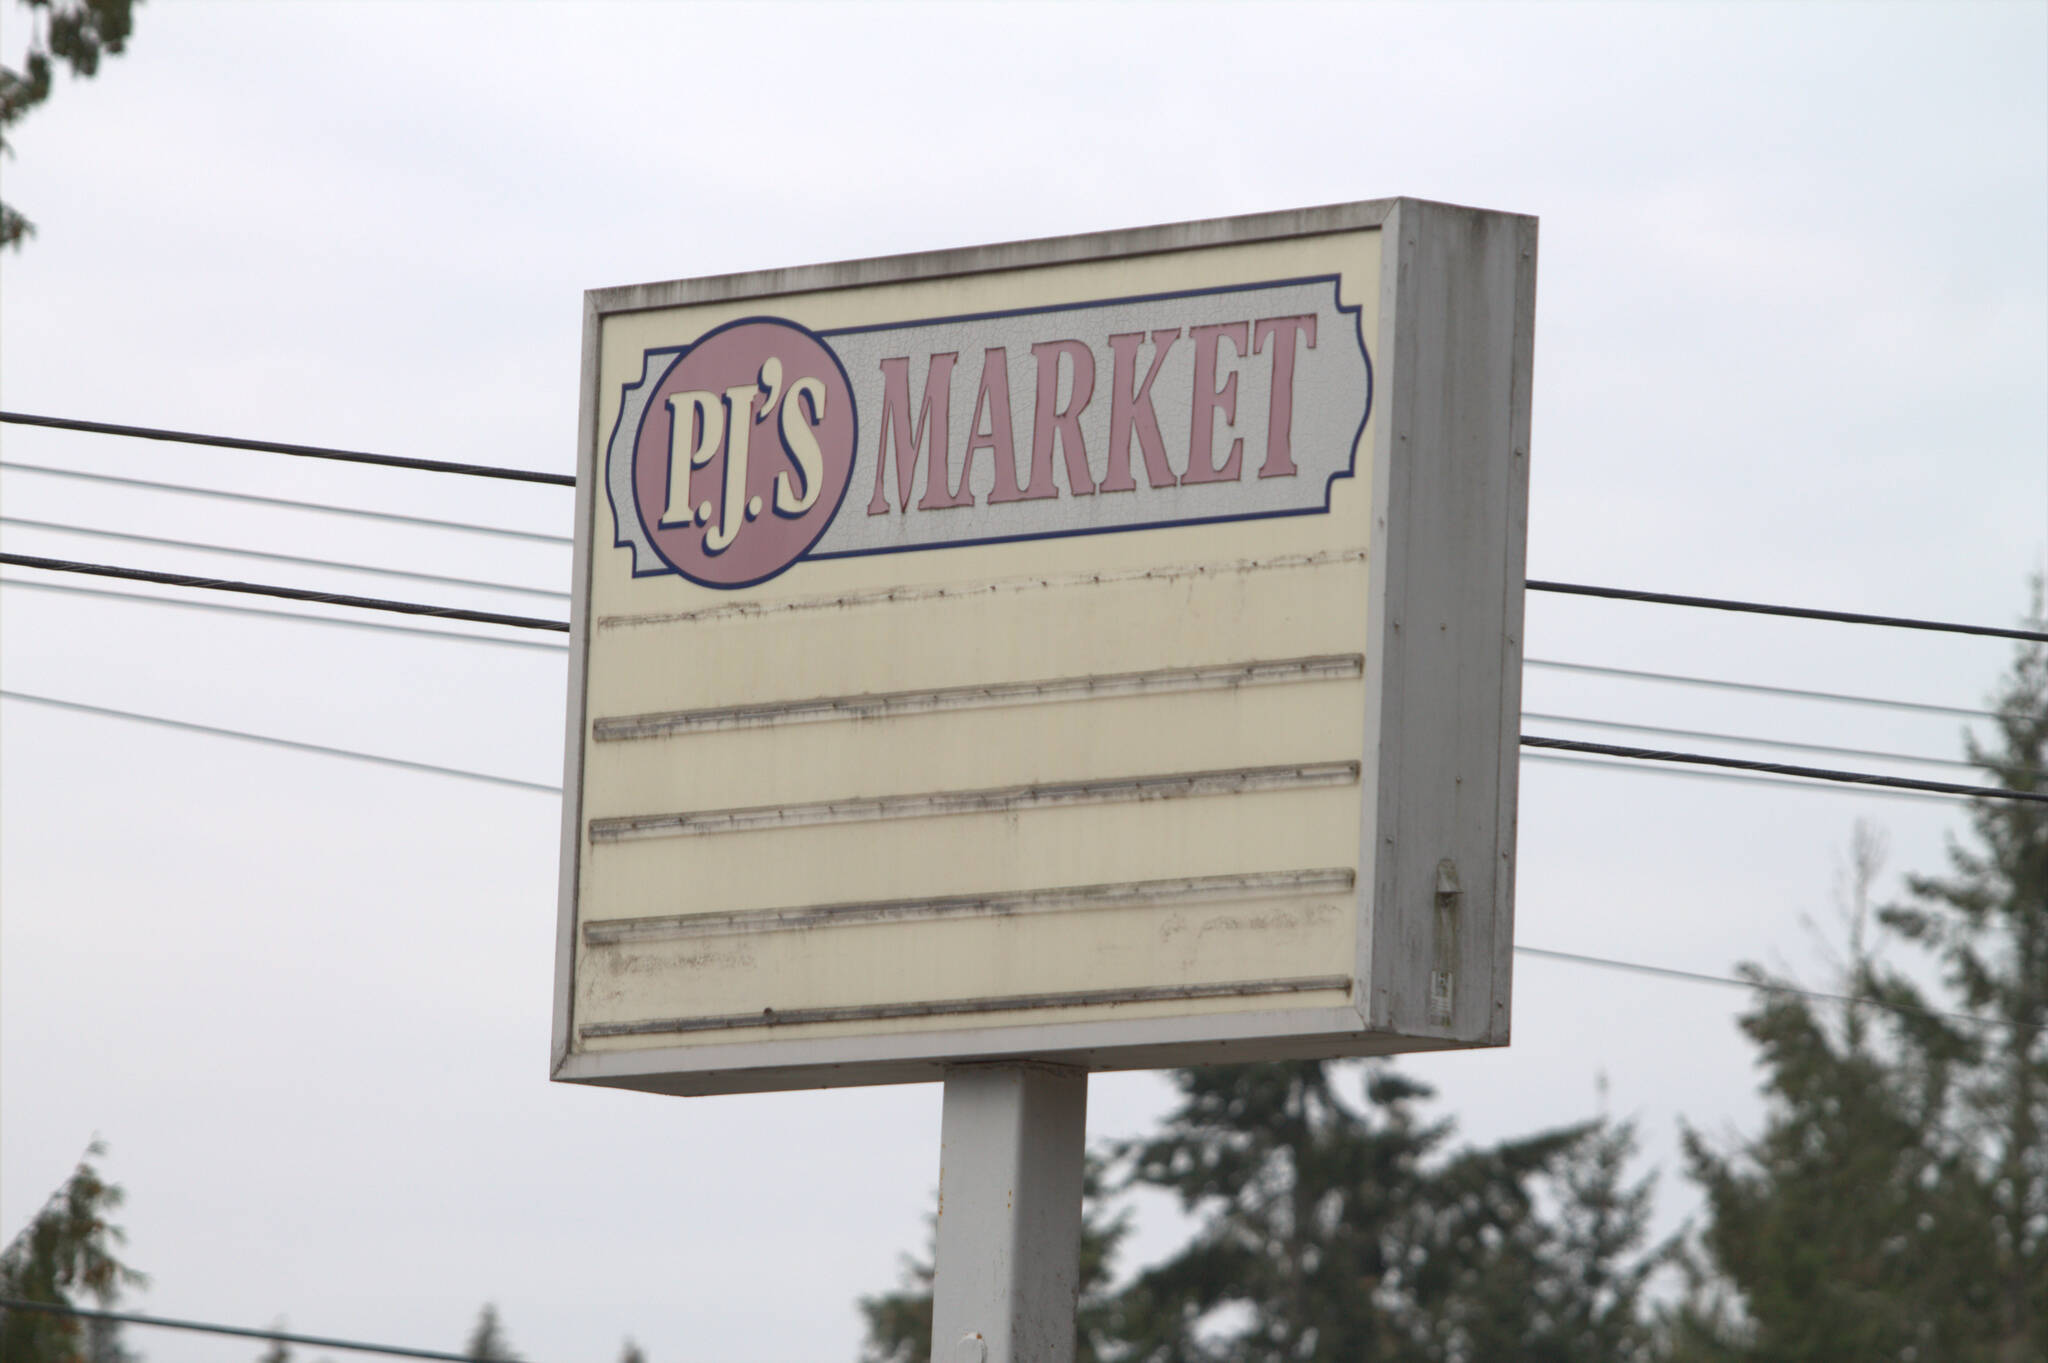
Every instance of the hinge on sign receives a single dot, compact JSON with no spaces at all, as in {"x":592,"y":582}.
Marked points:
{"x":1443,"y":974}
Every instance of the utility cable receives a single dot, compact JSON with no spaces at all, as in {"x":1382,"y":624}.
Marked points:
{"x":1550,"y":663}
{"x":378,"y":758}
{"x":229,"y":442}
{"x":216,"y":584}
{"x":1859,"y":778}
{"x":1915,"y":758}
{"x":244,"y":736}
{"x":1863,"y":778}
{"x":1795,"y":612}
{"x":233,"y":552}
{"x":1528,"y":741}
{"x":323,"y":750}
{"x":165,"y":1323}
{"x":297,"y":617}
{"x":1709,"y":774}
{"x":569,"y":480}
{"x":1638,"y":968}
{"x":187,"y":489}
{"x":1757,"y":688}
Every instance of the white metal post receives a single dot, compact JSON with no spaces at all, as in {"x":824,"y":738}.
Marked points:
{"x":1009,"y":1255}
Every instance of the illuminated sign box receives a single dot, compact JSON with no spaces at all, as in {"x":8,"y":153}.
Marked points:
{"x":1103,"y":649}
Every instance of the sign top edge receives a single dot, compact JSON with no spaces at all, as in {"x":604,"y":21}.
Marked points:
{"x":1010,"y":255}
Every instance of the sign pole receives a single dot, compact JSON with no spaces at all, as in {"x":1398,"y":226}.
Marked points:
{"x":1012,"y":1142}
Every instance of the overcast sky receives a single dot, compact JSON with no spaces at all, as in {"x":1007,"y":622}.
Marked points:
{"x":1792,"y":344}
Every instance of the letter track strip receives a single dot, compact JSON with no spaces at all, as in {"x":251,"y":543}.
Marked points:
{"x":1088,"y":998}
{"x":936,"y":592}
{"x":893,"y":704}
{"x":1002,"y":800}
{"x":1127,"y":894}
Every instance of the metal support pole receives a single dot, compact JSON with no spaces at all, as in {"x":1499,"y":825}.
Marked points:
{"x":1009,"y":1254}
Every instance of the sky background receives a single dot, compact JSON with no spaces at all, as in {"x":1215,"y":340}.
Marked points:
{"x":1792,"y":345}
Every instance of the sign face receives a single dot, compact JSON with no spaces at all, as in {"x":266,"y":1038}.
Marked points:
{"x":1102,"y":649}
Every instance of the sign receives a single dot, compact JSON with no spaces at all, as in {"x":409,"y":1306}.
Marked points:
{"x":1103,"y":650}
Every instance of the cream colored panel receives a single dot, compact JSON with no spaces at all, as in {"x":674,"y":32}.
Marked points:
{"x":1137,"y":735}
{"x":1006,"y":628}
{"x":973,"y":853}
{"x":964,"y":960}
{"x":674,"y":819}
{"x":1245,"y":1001}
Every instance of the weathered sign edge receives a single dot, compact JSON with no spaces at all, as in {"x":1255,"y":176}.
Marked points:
{"x":1011,"y":255}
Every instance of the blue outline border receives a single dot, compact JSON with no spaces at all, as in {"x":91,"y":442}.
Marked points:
{"x":640,"y":513}
{"x":1350,"y":469}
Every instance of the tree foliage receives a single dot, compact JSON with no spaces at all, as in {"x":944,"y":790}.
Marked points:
{"x":1895,"y":1205}
{"x":75,"y":32}
{"x":276,"y":1351}
{"x":1333,"y":1230}
{"x":67,"y":1251}
{"x":1986,"y":924}
{"x":487,"y":1340}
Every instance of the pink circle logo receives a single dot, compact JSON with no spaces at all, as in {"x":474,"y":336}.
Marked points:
{"x":744,"y":452}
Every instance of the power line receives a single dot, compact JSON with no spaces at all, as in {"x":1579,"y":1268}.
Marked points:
{"x":1862,"y":778}
{"x":569,"y":480}
{"x":242,"y":735}
{"x":234,"y":552}
{"x":298,"y":617}
{"x":378,"y":758}
{"x":1796,"y":612}
{"x":1554,"y":664}
{"x":483,"y":776}
{"x":1757,"y":688}
{"x":303,"y":451}
{"x":216,"y":584}
{"x":1886,"y":784}
{"x":1638,"y":968}
{"x":165,"y":1323}
{"x":323,"y":750}
{"x":1776,"y":743}
{"x":1638,"y":754}
{"x":187,"y":489}
{"x":1709,"y":774}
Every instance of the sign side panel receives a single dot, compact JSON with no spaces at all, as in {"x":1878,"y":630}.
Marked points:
{"x":569,"y":869}
{"x":1452,"y":565}
{"x":1514,"y":580}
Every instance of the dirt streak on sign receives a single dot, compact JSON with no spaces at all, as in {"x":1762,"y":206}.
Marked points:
{"x":1102,"y":649}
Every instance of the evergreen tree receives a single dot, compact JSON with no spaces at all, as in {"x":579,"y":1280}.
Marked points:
{"x":1845,"y":1228}
{"x":1334,"y":1232}
{"x":1567,"y":1287}
{"x":1331,"y":1232}
{"x":67,"y":1250}
{"x":276,"y":1351}
{"x":631,"y":1352}
{"x":1986,"y":923}
{"x":105,"y":1342}
{"x":487,"y":1341}
{"x":1895,"y":1205}
{"x":77,"y":33}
